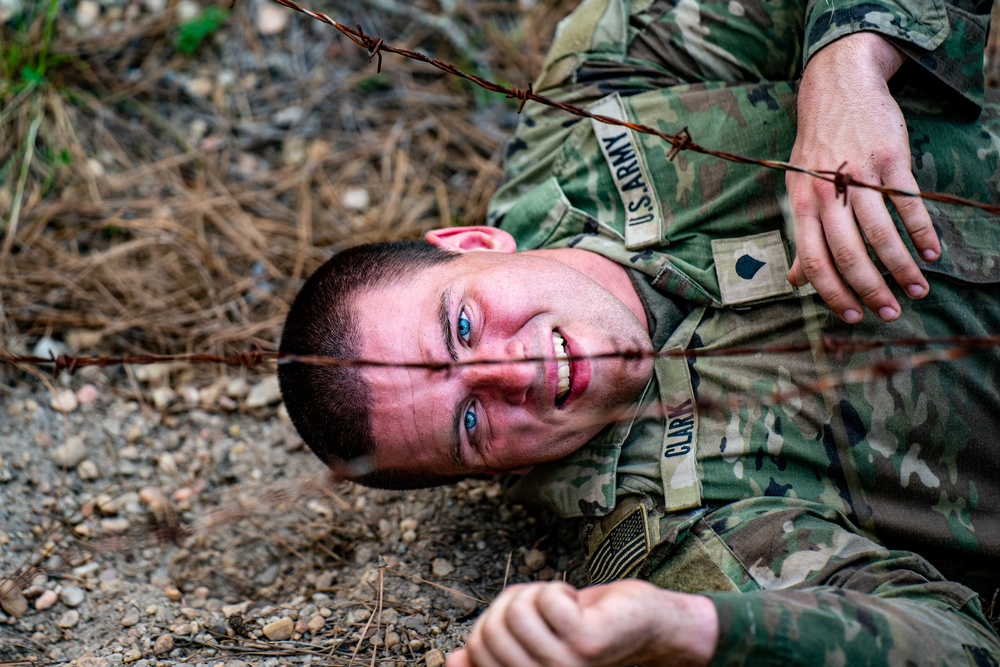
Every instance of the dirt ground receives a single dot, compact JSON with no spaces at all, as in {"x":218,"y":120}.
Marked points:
{"x":170,"y":171}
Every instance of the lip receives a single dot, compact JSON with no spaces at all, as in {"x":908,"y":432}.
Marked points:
{"x":579,"y":372}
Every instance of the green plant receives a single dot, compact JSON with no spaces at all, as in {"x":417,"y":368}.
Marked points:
{"x":26,"y":58}
{"x":192,"y":33}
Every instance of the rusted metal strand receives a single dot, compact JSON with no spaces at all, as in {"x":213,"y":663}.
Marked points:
{"x":257,"y":358}
{"x":681,"y":141}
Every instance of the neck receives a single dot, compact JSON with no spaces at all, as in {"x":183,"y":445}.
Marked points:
{"x":609,"y":275}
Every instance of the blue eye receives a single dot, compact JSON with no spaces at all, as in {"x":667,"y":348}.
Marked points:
{"x":464,"y":327}
{"x":470,"y":419}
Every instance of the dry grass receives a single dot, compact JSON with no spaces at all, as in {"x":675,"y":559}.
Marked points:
{"x":167,"y":217}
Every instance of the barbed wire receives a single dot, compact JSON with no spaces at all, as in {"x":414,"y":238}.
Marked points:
{"x":680,"y":141}
{"x":257,"y":358}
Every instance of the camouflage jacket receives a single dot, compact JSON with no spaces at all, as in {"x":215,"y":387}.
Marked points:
{"x":796,"y":487}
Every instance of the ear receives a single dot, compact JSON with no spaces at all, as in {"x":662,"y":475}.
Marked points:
{"x":471,"y":239}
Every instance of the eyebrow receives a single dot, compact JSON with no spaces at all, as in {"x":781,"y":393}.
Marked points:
{"x":444,"y":317}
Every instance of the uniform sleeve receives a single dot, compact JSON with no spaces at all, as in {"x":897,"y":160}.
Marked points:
{"x":944,"y":41}
{"x":796,"y":583}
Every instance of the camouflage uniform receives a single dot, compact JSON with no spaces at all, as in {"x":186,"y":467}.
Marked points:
{"x":801,"y":517}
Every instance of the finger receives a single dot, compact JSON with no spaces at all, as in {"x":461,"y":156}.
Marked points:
{"x":492,"y":643}
{"x":459,"y":658}
{"x":850,"y":254}
{"x":815,"y":264}
{"x":559,"y":606}
{"x":795,"y":275}
{"x":533,"y":631}
{"x":882,"y":235}
{"x":914,"y":215}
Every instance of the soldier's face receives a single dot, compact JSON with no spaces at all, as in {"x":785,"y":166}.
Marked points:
{"x":503,"y":417}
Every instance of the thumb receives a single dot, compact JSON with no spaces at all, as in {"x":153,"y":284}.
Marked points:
{"x":459,"y":658}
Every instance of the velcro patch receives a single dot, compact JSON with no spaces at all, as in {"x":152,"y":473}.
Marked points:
{"x":622,"y":550}
{"x":751,"y":267}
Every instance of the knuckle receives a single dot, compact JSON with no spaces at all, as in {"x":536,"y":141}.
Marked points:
{"x":812,"y":264}
{"x":881,"y":235}
{"x":847,"y":258}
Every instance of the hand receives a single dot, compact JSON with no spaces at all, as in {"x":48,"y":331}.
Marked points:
{"x":846,"y":114}
{"x":620,"y":624}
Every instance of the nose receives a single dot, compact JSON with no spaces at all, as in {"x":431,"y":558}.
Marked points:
{"x":511,"y":380}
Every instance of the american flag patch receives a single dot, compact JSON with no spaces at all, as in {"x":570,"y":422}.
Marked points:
{"x":622,"y":550}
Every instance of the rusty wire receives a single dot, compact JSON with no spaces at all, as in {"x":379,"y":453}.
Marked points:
{"x":257,"y":358}
{"x":680,"y":141}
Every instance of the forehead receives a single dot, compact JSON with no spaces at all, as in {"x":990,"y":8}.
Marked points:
{"x":411,"y":408}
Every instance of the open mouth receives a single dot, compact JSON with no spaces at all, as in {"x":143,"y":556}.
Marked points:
{"x":564,"y":383}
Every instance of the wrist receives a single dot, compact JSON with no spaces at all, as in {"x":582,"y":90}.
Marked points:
{"x":684,"y":631}
{"x":861,"y":53}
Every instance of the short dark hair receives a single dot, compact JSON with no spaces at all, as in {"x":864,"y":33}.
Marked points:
{"x":330,"y":406}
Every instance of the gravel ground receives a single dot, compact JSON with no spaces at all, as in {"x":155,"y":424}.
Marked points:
{"x":149,"y":519}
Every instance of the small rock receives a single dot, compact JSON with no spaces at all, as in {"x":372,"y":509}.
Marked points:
{"x":87,"y":394}
{"x":356,"y":199}
{"x":132,"y":655}
{"x":69,"y":454}
{"x":235,"y":609}
{"x":12,"y":600}
{"x":105,"y":504}
{"x":316,"y":623}
{"x":164,"y":644}
{"x":187,"y":10}
{"x":441,"y":568}
{"x":534,"y":559}
{"x":391,"y":639}
{"x":133,"y":433}
{"x":87,"y":12}
{"x":237,"y":388}
{"x":87,"y":470}
{"x":153,"y":497}
{"x":434,"y":658}
{"x":152,"y":373}
{"x":288,"y":116}
{"x":116,"y":526}
{"x":279,"y":630}
{"x":130,"y":618}
{"x":69,"y":619}
{"x":83,"y":339}
{"x":48,"y":347}
{"x":72,"y":596}
{"x":162,"y":397}
{"x":272,"y":19}
{"x":65,"y":401}
{"x":264,"y":393}
{"x":46,"y":600}
{"x":408,"y":524}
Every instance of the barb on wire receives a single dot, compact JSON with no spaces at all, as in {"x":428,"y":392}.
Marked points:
{"x":256,"y":358}
{"x":680,"y":141}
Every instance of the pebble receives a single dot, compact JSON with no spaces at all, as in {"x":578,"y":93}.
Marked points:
{"x":272,"y":19}
{"x":534,"y":559}
{"x":164,"y":644}
{"x":65,"y":401}
{"x":152,"y":373}
{"x":69,"y":619}
{"x":70,"y":453}
{"x":264,"y":393}
{"x":87,"y":394}
{"x":46,"y":600}
{"x":132,"y":655}
{"x":237,"y":388}
{"x":434,"y":658}
{"x":279,"y":630}
{"x":154,"y":498}
{"x":116,"y":525}
{"x":88,"y":470}
{"x":87,"y":13}
{"x":441,"y":567}
{"x":172,"y":592}
{"x":72,"y":596}
{"x":130,"y":618}
{"x":162,"y":397}
{"x":356,"y":199}
{"x":316,"y":623}
{"x":48,"y":347}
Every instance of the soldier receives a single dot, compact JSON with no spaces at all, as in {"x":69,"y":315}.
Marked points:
{"x":802,"y":505}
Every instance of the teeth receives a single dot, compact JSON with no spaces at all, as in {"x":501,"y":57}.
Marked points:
{"x":562,"y":387}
